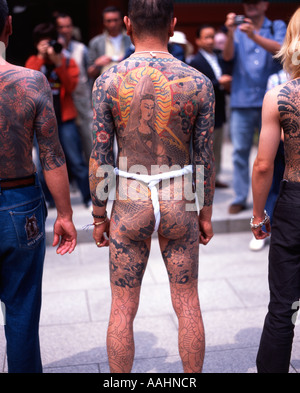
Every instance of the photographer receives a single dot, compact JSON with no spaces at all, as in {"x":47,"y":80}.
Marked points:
{"x":252,"y":40}
{"x":62,"y":75}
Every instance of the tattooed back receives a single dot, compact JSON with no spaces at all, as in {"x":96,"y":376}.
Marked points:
{"x":25,"y":106}
{"x":289,"y":110}
{"x":154,"y":105}
{"x":162,"y":112}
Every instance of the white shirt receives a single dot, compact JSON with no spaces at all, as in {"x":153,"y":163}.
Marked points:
{"x":212,"y":60}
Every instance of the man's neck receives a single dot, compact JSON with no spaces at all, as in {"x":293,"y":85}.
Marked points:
{"x":258,"y":21}
{"x":150,"y":44}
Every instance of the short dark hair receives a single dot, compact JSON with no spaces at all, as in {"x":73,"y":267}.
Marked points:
{"x":43,"y":31}
{"x":202,"y":27}
{"x":4,"y":12}
{"x":151,"y":16}
{"x":112,"y":9}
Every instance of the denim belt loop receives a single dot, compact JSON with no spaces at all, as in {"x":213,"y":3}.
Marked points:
{"x":37,"y":183}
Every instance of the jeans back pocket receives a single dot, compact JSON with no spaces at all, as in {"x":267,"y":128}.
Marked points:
{"x":29,"y":224}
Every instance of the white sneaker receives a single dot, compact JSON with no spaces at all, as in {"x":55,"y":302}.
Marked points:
{"x":257,"y":244}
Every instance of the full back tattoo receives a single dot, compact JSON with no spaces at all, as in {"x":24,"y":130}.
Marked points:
{"x":25,"y":107}
{"x":162,"y":113}
{"x":289,"y":110}
{"x":158,"y":109}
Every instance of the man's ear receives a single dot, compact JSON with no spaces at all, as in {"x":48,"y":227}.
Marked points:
{"x":172,"y":27}
{"x":8,"y":25}
{"x":128,"y":25}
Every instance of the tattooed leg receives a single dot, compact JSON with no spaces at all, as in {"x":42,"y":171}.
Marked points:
{"x":129,"y":252}
{"x":181,"y":259}
{"x":120,"y":341}
{"x":191,"y":335}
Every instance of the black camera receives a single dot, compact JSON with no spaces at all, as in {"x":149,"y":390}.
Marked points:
{"x":56,"y":46}
{"x":239,"y":20}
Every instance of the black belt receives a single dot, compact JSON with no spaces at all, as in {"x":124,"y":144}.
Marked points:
{"x":9,"y":184}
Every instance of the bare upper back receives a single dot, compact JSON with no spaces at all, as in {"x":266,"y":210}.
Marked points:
{"x":155,"y":105}
{"x":25,"y":107}
{"x":288,"y":100}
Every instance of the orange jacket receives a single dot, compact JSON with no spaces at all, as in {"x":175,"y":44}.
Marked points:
{"x":69,"y":76}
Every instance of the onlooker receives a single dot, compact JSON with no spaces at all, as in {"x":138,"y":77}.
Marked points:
{"x":179,"y":39}
{"x":215,"y":68}
{"x":82,"y":94}
{"x":251,"y":45}
{"x":62,"y":75}
{"x":110,"y":47}
{"x":280,"y":111}
{"x":26,"y":109}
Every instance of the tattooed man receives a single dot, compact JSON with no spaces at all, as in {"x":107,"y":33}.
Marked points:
{"x":281,"y":110}
{"x":162,"y":113}
{"x":26,"y":107}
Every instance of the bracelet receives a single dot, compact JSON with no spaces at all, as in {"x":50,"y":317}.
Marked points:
{"x":95,"y":216}
{"x":96,"y":224}
{"x":261,"y":224}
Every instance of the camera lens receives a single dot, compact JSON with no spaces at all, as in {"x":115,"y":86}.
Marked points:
{"x":56,"y":46}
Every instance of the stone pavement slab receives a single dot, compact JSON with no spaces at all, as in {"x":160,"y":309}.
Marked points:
{"x":233,"y":295}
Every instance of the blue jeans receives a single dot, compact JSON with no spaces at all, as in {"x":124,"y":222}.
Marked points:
{"x":244,"y":122}
{"x":22,"y":251}
{"x":71,"y":144}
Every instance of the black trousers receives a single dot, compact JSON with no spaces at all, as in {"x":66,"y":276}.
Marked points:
{"x":284,"y":281}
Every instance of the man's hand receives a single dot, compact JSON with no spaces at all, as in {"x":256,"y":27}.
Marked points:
{"x":55,"y":58}
{"x":205,"y":225}
{"x":101,"y":234}
{"x":102,"y":61}
{"x":248,"y":28}
{"x":230,"y":22}
{"x":206,"y":232}
{"x":65,"y":236}
{"x":225,"y":82}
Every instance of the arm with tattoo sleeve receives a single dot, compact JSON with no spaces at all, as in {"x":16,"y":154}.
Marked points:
{"x":54,"y":168}
{"x":101,"y":156}
{"x":203,"y":159}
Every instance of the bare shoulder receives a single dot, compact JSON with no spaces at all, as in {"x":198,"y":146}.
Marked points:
{"x":24,"y":76}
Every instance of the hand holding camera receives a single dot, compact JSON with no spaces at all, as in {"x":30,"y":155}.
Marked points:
{"x":54,"y":57}
{"x":242,"y":22}
{"x":51,"y":50}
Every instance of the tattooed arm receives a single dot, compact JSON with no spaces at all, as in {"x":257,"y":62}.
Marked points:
{"x":102,"y":156}
{"x":54,"y":167}
{"x":203,"y":158}
{"x":264,"y":164}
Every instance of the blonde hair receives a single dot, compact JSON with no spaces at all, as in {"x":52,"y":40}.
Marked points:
{"x":290,"y":50}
